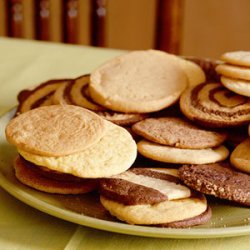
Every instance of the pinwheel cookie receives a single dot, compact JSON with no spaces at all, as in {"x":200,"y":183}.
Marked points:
{"x":156,"y":197}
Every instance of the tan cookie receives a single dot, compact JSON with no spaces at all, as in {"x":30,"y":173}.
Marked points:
{"x":55,"y":130}
{"x":241,"y":58}
{"x":177,"y":132}
{"x":169,"y":154}
{"x":235,"y":72}
{"x":42,"y":95}
{"x":159,"y":213}
{"x":30,"y":177}
{"x":240,"y":157}
{"x":240,"y":87}
{"x":114,"y":153}
{"x":212,"y":105}
{"x":139,"y":81}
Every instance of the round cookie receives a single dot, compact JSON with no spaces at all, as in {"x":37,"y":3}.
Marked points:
{"x":232,"y":71}
{"x":118,"y":83}
{"x":114,"y":153}
{"x":240,"y":157}
{"x":42,"y":95}
{"x":55,"y":130}
{"x":241,"y":58}
{"x":169,"y":154}
{"x":218,"y":179}
{"x":177,"y":132}
{"x":212,"y":105}
{"x":34,"y":179}
{"x":144,"y":186}
{"x":240,"y":87}
{"x":159,"y":213}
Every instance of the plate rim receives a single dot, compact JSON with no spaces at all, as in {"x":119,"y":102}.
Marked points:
{"x":116,"y":227}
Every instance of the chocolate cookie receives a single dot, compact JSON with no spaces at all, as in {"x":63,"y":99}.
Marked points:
{"x":212,"y":105}
{"x":177,"y":132}
{"x":219,"y":180}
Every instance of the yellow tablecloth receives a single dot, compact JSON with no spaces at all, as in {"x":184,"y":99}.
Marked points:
{"x":27,"y":63}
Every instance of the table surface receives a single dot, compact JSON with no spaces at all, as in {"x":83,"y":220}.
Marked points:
{"x":27,"y":63}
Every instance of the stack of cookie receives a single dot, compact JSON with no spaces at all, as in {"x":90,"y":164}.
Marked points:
{"x":152,"y":196}
{"x":176,"y":140}
{"x":235,"y":72}
{"x":64,"y":149}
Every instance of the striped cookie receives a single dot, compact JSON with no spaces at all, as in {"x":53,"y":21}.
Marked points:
{"x":169,"y":154}
{"x":219,"y":180}
{"x":240,"y":157}
{"x":42,"y":95}
{"x":144,"y":186}
{"x":28,"y":175}
{"x":177,"y":132}
{"x":212,"y":105}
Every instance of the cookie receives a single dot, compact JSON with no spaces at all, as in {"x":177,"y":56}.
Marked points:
{"x":118,"y":84}
{"x":240,"y":87}
{"x":241,"y":58}
{"x":219,"y":180}
{"x":159,"y":213}
{"x":177,"y":132}
{"x":212,"y":105}
{"x":42,"y":95}
{"x":114,"y":153}
{"x":169,"y":154}
{"x":232,"y":71}
{"x":28,"y":176}
{"x":144,"y":186}
{"x":240,"y":157}
{"x":55,"y":130}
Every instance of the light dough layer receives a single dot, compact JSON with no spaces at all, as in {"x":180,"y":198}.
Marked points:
{"x":181,"y":156}
{"x":113,"y":154}
{"x":139,"y":81}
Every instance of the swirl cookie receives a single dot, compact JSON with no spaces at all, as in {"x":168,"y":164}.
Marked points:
{"x":42,"y":95}
{"x":147,"y":196}
{"x":55,"y":130}
{"x":28,"y":174}
{"x":175,"y":155}
{"x":212,"y":105}
{"x":138,"y":82}
{"x":240,"y":157}
{"x":219,"y":180}
{"x":177,"y":132}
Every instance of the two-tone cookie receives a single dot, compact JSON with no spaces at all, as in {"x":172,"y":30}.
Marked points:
{"x":176,"y":140}
{"x":68,"y":140}
{"x":212,"y":105}
{"x":235,"y":72}
{"x":155,"y":197}
{"x":218,"y":179}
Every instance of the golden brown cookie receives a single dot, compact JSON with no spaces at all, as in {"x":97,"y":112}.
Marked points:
{"x":241,"y":58}
{"x":177,"y":132}
{"x":138,"y":82}
{"x":240,"y":157}
{"x":27,"y":174}
{"x":212,"y":105}
{"x":55,"y":130}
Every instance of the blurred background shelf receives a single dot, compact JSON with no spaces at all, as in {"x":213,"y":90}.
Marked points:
{"x":205,"y":28}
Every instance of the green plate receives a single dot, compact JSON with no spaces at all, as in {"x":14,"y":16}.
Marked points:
{"x":227,"y":220}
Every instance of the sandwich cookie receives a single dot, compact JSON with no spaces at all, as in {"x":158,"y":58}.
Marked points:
{"x":175,"y":155}
{"x":148,"y":196}
{"x":138,"y":82}
{"x":212,"y":105}
{"x":177,"y":132}
{"x":42,"y":95}
{"x":47,"y":182}
{"x":76,"y":93}
{"x":240,"y":157}
{"x":219,"y":180}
